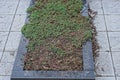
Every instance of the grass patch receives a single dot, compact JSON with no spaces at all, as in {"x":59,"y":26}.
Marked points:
{"x":56,"y":27}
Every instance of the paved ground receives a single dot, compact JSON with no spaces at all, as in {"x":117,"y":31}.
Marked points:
{"x":12,"y":18}
{"x":107,"y":63}
{"x":107,"y":23}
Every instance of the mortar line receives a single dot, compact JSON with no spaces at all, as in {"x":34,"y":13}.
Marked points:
{"x":109,"y":41}
{"x":10,"y":29}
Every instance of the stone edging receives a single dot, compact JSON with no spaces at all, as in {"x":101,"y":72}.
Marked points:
{"x":87,"y":74}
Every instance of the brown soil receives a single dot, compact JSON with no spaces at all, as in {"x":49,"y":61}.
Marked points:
{"x":44,"y":59}
{"x":59,"y":53}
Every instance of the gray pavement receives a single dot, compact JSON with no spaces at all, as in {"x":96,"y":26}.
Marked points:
{"x":107,"y":63}
{"x":12,"y":18}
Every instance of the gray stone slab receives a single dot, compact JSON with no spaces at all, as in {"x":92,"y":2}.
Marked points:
{"x":52,"y":75}
{"x":105,"y":78}
{"x":88,"y":62}
{"x":114,"y":40}
{"x":18,"y":23}
{"x":8,"y":7}
{"x":6,"y":69}
{"x":4,"y":77}
{"x":112,"y":7}
{"x":3,"y":38}
{"x":5,"y":22}
{"x":103,"y":64}
{"x":99,"y":23}
{"x":8,"y":57}
{"x":112,"y":22}
{"x":23,"y":5}
{"x":13,"y":41}
{"x":118,"y":78}
{"x":116,"y":59}
{"x":95,"y":5}
{"x":102,"y":41}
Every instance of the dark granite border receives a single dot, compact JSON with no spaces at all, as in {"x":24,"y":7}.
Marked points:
{"x":87,"y":74}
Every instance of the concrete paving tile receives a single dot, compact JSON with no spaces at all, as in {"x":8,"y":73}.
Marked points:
{"x":95,"y":5}
{"x":8,"y":57}
{"x":116,"y":60}
{"x":118,"y":78}
{"x":5,"y":22}
{"x":6,"y":69}
{"x":18,"y":23}
{"x":112,"y":22}
{"x":105,"y":78}
{"x":4,"y":77}
{"x":3,"y":38}
{"x":114,"y":40}
{"x":8,"y":7}
{"x":13,"y":41}
{"x":102,"y":41}
{"x":103,"y":64}
{"x":112,"y":6}
{"x":99,"y":23}
{"x":23,"y":5}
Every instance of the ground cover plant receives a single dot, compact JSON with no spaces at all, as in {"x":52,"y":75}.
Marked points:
{"x":56,"y":32}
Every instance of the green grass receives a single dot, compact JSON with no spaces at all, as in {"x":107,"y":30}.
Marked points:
{"x":53,"y":19}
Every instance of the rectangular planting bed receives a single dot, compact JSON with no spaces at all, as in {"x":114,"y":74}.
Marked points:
{"x":58,"y":40}
{"x":87,"y":74}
